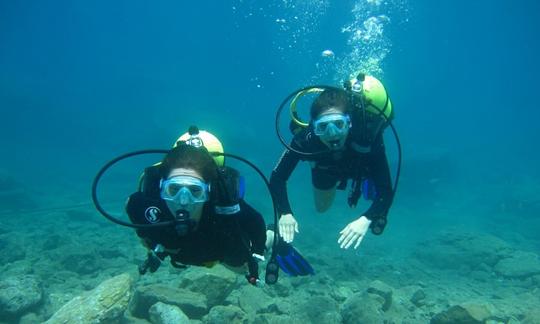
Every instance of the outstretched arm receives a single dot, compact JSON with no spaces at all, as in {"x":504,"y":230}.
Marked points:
{"x":375,"y":217}
{"x":278,"y":184}
{"x":252,"y":223}
{"x":379,"y":172}
{"x":278,"y":181}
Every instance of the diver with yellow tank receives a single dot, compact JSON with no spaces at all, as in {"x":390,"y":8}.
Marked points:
{"x":190,"y":207}
{"x":343,"y":141}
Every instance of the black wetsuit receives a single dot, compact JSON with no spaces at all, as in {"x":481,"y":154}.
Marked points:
{"x":333,"y":168}
{"x":231,"y":239}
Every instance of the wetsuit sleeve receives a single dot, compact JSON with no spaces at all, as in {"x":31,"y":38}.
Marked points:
{"x":379,"y":171}
{"x":278,"y":181}
{"x":252,"y":223}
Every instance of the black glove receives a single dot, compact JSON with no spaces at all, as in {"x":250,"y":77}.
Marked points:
{"x":151,"y":263}
{"x":253,"y":272}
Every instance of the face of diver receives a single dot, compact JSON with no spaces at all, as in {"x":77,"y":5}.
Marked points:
{"x":332,"y":128}
{"x":185,"y":190}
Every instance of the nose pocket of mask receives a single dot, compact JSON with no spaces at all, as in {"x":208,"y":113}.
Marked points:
{"x":332,"y":130}
{"x":184,"y":196}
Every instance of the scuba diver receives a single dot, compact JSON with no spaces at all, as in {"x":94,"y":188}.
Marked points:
{"x":190,"y":207}
{"x":343,"y":141}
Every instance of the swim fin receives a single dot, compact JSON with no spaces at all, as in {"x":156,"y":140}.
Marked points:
{"x":291,"y":261}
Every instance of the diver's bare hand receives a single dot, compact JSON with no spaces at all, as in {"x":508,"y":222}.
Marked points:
{"x":287,"y":227}
{"x":354,"y":232}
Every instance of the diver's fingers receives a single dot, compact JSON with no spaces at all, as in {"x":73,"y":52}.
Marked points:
{"x":346,"y":229}
{"x":342,"y":237}
{"x":292,"y":230}
{"x":296,"y":227}
{"x":359,"y":241}
{"x":344,"y":233}
{"x":350,"y":240}
{"x":281,"y":230}
{"x":285,"y":232}
{"x":354,"y":238}
{"x":342,"y":245}
{"x":288,"y":233}
{"x":347,"y":241}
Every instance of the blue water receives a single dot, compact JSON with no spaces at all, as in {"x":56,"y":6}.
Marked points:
{"x":81,"y":82}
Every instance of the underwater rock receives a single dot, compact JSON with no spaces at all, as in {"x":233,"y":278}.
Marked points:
{"x":341,"y":292}
{"x":215,"y":283}
{"x":191,"y":303}
{"x":225,"y":315}
{"x":130,"y":319}
{"x":276,"y":319}
{"x":30,"y":318}
{"x":161,"y":313}
{"x":519,"y":265}
{"x":104,"y":304}
{"x":378,"y":287}
{"x":418,"y":298}
{"x":251,"y":300}
{"x":463,"y":314}
{"x":482,"y":276}
{"x":18,"y":294}
{"x":532,"y":317}
{"x":362,"y":308}
{"x":454,"y":250}
{"x":282,"y":288}
{"x":319,"y":309}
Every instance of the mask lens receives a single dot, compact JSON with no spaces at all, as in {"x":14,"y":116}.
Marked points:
{"x":321,"y":127}
{"x":196,"y":191}
{"x":172,"y":189}
{"x":329,"y":124}
{"x":184,"y":189}
{"x":340,"y":124}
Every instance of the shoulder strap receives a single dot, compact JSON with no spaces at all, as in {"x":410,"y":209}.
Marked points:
{"x":230,"y":190}
{"x":149,"y":181}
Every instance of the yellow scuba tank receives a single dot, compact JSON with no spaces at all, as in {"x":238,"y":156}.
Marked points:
{"x":372,"y":110}
{"x":373,"y":95}
{"x":203,"y":138}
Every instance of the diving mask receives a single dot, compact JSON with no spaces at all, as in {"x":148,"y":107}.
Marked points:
{"x":184,"y":190}
{"x":332,"y":125}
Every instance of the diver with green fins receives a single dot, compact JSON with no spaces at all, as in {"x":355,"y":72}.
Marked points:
{"x":190,"y":207}
{"x":343,"y":141}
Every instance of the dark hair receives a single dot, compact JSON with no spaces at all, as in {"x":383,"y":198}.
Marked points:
{"x":330,"y":98}
{"x":189,"y":157}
